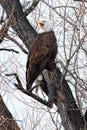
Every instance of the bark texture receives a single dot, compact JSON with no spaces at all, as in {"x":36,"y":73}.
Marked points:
{"x":7,"y":122}
{"x":64,"y":100}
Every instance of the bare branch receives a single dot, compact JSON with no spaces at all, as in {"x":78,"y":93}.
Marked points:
{"x":6,"y":25}
{"x":81,"y":0}
{"x":4,"y":29}
{"x":58,"y":13}
{"x":17,"y":43}
{"x":84,"y":49}
{"x":6,"y":119}
{"x":19,"y":86}
{"x":30,"y":9}
{"x":72,"y":118}
{"x":19,"y":22}
{"x":4,"y":49}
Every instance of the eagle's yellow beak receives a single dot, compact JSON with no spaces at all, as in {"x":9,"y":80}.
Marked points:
{"x":40,"y":22}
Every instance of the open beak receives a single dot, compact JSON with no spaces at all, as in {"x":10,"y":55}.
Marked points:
{"x":41,"y":23}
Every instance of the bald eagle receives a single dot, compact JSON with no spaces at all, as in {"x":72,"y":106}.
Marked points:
{"x":42,"y":53}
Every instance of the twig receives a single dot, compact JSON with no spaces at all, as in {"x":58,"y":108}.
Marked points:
{"x":81,"y":0}
{"x":6,"y":25}
{"x":66,"y":7}
{"x":2,"y":17}
{"x":4,"y":120}
{"x":4,"y":29}
{"x":4,"y":49}
{"x":19,"y":86}
{"x":17,"y":43}
{"x":30,"y":9}
{"x":46,"y":3}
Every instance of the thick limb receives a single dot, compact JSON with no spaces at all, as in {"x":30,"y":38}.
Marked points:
{"x":19,"y":86}
{"x":51,"y":95}
{"x":50,"y":80}
{"x":51,"y":88}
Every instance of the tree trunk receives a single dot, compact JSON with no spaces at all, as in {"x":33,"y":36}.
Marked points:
{"x":7,"y":122}
{"x":64,"y":100}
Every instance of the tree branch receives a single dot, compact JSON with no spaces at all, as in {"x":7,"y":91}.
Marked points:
{"x":30,"y":9}
{"x":81,"y":0}
{"x":19,"y":86}
{"x":19,"y":22}
{"x":4,"y":30}
{"x":6,"y":119}
{"x":46,"y":3}
{"x":17,"y":43}
{"x":6,"y":25}
{"x":64,"y":100}
{"x":4,"y":49}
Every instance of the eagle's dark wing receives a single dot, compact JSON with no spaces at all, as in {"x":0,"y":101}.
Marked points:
{"x":42,"y":52}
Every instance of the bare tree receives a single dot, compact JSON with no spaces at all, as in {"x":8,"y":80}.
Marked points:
{"x":69,"y":109}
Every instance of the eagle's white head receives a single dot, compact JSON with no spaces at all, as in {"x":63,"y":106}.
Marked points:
{"x":45,"y":26}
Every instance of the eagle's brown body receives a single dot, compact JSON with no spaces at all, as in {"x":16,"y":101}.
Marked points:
{"x":42,"y":55}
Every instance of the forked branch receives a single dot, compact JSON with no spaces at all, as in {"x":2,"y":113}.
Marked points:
{"x":19,"y":86}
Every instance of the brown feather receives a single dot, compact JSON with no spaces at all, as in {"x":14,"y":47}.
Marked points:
{"x":42,"y":55}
